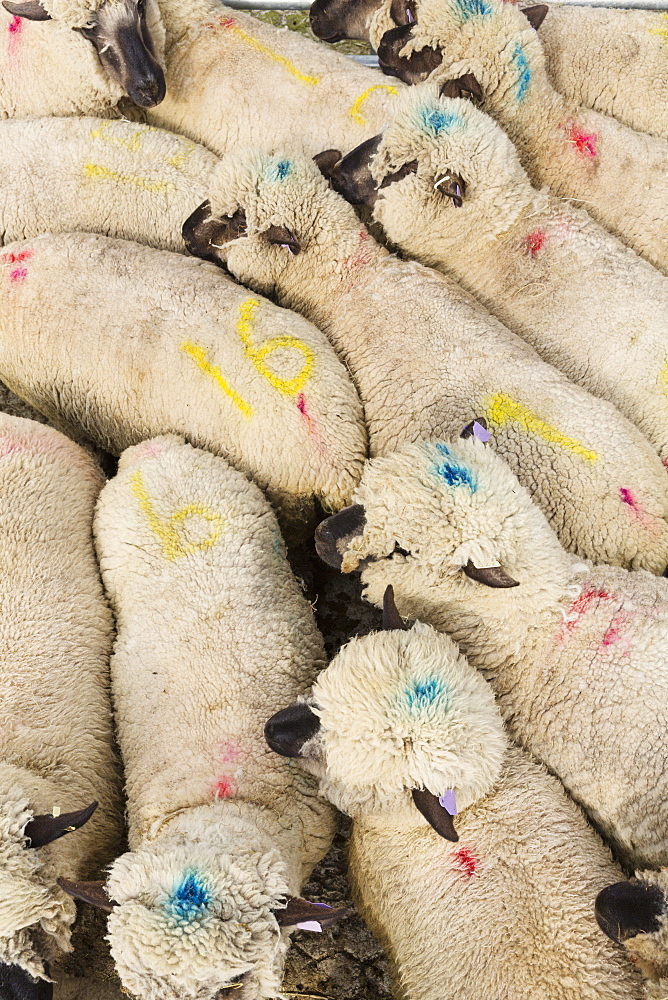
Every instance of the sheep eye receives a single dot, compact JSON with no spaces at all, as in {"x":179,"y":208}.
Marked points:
{"x":397,"y":550}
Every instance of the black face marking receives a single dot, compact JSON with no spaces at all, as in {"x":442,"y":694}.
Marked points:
{"x":334,"y":534}
{"x":17,"y":984}
{"x":626,"y":909}
{"x":287,"y":731}
{"x":334,"y":20}
{"x":411,"y":69}
{"x":398,"y":175}
{"x":351,"y":177}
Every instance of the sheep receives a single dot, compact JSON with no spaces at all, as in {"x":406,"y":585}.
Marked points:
{"x":116,"y":178}
{"x":634,"y":914}
{"x":138,"y":342}
{"x":576,"y":654}
{"x":58,"y":770}
{"x":402,"y":732}
{"x":220,"y":834}
{"x":613,"y":61}
{"x":423,"y":353}
{"x":493,"y":53}
{"x":463,"y":203}
{"x":84,"y":61}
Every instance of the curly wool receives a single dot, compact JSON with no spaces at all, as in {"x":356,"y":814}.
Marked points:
{"x":30,"y":899}
{"x":74,"y":13}
{"x":403,"y":710}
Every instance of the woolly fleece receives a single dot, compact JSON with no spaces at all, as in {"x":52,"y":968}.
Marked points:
{"x":584,"y":301}
{"x":427,"y":358}
{"x":212,"y":633}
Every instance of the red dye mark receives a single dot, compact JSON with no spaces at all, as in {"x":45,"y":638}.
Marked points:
{"x":16,"y":258}
{"x":584,"y":142}
{"x":638,"y":512}
{"x":627,"y":496}
{"x":362,"y":256}
{"x":15,"y":25}
{"x":613,"y":634}
{"x":226,"y":22}
{"x":19,"y":274}
{"x":580,"y":606}
{"x":534,"y":242}
{"x":467,"y":861}
{"x":230,"y":751}
{"x":664,"y":462}
{"x":225,"y":787}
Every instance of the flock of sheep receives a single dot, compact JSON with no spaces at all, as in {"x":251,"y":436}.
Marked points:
{"x":195,"y":216}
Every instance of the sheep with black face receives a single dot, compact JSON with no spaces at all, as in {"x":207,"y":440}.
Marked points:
{"x":576,"y":654}
{"x":635,"y":914}
{"x":453,"y":829}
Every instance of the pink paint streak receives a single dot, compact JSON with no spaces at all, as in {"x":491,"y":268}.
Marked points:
{"x":15,"y":29}
{"x":360,"y":259}
{"x":467,"y":861}
{"x":16,"y":258}
{"x":225,"y":788}
{"x":638,"y":512}
{"x":310,"y":423}
{"x":231,"y":752}
{"x":534,"y":242}
{"x":18,"y":274}
{"x":587,"y":600}
{"x":584,"y":142}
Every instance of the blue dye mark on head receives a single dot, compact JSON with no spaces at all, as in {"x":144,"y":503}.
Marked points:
{"x":425,"y":694}
{"x":473,"y":8}
{"x":281,"y":170}
{"x":190,"y":899}
{"x":452,"y":471}
{"x":524,"y":71}
{"x":434,"y":121}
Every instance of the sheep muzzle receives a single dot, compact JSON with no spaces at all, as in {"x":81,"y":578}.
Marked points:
{"x":410,"y":69}
{"x":333,"y":535}
{"x":626,"y":909}
{"x":336,"y":20}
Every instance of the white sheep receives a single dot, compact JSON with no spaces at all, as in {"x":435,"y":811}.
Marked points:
{"x":399,"y":725}
{"x":577,"y":655}
{"x":614,"y":61}
{"x":463,"y":203}
{"x":635,"y":914}
{"x":83,"y":61}
{"x":212,"y":633}
{"x":57,"y":761}
{"x":138,"y":342}
{"x":116,"y":178}
{"x":426,"y":357}
{"x":488,"y":48}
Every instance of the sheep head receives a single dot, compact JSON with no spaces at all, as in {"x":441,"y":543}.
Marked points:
{"x":635,"y":914}
{"x":275,"y":224}
{"x":201,"y":914}
{"x":400,"y":724}
{"x":127,"y":35}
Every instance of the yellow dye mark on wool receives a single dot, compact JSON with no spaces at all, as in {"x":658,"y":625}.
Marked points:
{"x":94,"y":170}
{"x":355,"y":111}
{"x":662,"y":32}
{"x":502,"y":408}
{"x":287,"y":386}
{"x":275,"y":56}
{"x":101,"y":132}
{"x":198,"y":354}
{"x":174,"y":544}
{"x":182,"y":158}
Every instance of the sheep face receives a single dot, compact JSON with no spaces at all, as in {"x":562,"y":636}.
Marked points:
{"x":395,"y":713}
{"x":635,"y":914}
{"x":447,"y":525}
{"x":274,"y":222}
{"x":128,"y":36}
{"x":334,"y":20}
{"x":442,"y":173}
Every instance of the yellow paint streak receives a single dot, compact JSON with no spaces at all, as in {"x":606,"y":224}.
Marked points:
{"x":289,"y":387}
{"x":662,"y":32}
{"x":133,"y":143}
{"x":355,"y":111}
{"x":173,"y":546}
{"x":502,"y":408}
{"x":182,"y":158}
{"x":198,"y":354}
{"x":275,"y":56}
{"x":94,"y":170}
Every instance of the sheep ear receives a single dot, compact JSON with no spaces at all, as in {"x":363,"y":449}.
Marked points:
{"x":17,"y":984}
{"x":452,"y":186}
{"x":491,"y":576}
{"x":288,"y":730}
{"x":31,"y":10}
{"x":334,"y":534}
{"x":392,"y":620}
{"x":403,"y":12}
{"x":326,"y":161}
{"x":411,"y":69}
{"x":435,"y":814}
{"x":202,"y":233}
{"x":281,"y":236}
{"x":465,"y":86}
{"x":43,"y":830}
{"x":536,"y":15}
{"x":301,"y":911}
{"x":629,"y":908}
{"x":94,"y":893}
{"x":480,"y":432}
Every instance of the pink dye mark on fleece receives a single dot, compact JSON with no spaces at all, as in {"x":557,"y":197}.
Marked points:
{"x":19,"y":274}
{"x":225,"y":788}
{"x":587,"y":600}
{"x":310,"y":423}
{"x":533,"y":243}
{"x":637,"y":511}
{"x":467,"y":861}
{"x":360,"y":259}
{"x":584,"y":142}
{"x":15,"y":28}
{"x":230,"y":752}
{"x":16,"y":258}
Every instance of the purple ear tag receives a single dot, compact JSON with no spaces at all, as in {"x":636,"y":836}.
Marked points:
{"x":409,"y":15}
{"x":482,"y":434}
{"x":449,"y":802}
{"x":287,"y":246}
{"x":310,"y":925}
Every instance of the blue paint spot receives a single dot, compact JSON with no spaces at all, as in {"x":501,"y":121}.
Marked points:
{"x":452,"y":471}
{"x":473,"y":8}
{"x":524,"y":71}
{"x":434,"y":121}
{"x":281,"y":170}
{"x":190,"y":899}
{"x":427,"y":694}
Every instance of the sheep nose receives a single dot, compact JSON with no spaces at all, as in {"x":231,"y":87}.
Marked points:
{"x":321,"y":25}
{"x":148,"y":90}
{"x":629,"y":908}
